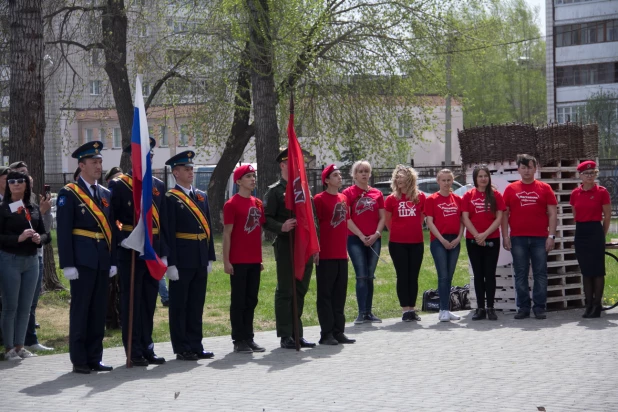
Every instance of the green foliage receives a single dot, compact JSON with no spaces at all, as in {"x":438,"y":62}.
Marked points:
{"x":602,"y":108}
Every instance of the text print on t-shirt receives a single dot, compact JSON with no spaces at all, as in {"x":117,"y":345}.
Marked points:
{"x":407,"y":209}
{"x":528,"y":198}
{"x":364,"y":204}
{"x":253,"y":219}
{"x":479,"y":205}
{"x":339,"y":213}
{"x":448,"y":209}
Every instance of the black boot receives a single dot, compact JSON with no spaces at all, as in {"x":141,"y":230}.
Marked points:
{"x":596,"y":312}
{"x":479,"y":314}
{"x":587,"y":311}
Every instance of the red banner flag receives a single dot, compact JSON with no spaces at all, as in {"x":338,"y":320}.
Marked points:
{"x":297,"y":199}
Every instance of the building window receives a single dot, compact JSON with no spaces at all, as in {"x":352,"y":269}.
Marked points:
{"x":587,"y":74}
{"x":559,"y":2}
{"x":95,"y":87}
{"x":586,"y":33}
{"x":404,"y":128}
{"x":117,"y":143}
{"x":102,"y":135}
{"x":184,"y":135}
{"x":572,"y":113}
{"x":88,"y":135}
{"x":95,"y":58}
{"x":146,"y":89}
{"x":163,"y":136}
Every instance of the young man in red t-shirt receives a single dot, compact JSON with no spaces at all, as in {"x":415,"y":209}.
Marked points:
{"x":243,"y":216}
{"x":332,"y":271}
{"x":531,"y":214}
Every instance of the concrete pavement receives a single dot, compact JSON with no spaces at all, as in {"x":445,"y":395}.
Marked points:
{"x":563,"y":363}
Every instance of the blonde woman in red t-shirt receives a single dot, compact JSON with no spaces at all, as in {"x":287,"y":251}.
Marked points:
{"x":482,"y":215}
{"x":404,"y":220}
{"x":364,"y":237}
{"x":592,"y":211}
{"x":243,"y":217}
{"x":443,"y":211}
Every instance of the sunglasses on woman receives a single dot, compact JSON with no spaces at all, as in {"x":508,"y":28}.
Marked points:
{"x":16,"y":181}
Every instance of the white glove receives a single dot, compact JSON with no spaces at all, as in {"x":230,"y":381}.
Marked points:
{"x":172,"y":273}
{"x":164,"y":260}
{"x":71,"y":273}
{"x":209,"y":266}
{"x":112,"y":271}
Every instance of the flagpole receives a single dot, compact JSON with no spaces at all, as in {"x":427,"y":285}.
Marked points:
{"x":131,"y":288}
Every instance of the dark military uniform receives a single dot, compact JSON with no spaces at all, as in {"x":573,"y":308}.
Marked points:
{"x":145,"y":287}
{"x":276,"y":214}
{"x":190,"y":250}
{"x":82,"y":245}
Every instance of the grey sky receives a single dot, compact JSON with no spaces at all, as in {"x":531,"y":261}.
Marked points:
{"x":541,"y":20}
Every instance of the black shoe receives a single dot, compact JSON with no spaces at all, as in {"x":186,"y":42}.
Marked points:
{"x":141,"y":361}
{"x":371,"y":318}
{"x":166,"y":303}
{"x":186,"y":356}
{"x":155,"y":360}
{"x":406,"y":317}
{"x":85,"y":369}
{"x":288,"y":343}
{"x":413,"y":315}
{"x":596,"y":311}
{"x":342,"y":338}
{"x":204,"y":355}
{"x":37,"y":326}
{"x":522,"y":315}
{"x":328,"y":340}
{"x":99,"y":367}
{"x":306,"y":344}
{"x":491,"y":314}
{"x":540,"y":314}
{"x":254,"y":346}
{"x":241,"y":346}
{"x":588,"y":311}
{"x":479,"y":314}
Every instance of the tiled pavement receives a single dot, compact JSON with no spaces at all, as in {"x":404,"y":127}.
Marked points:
{"x":562,"y":363}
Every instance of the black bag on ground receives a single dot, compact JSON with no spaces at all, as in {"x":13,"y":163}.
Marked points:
{"x":458,"y":299}
{"x":431,"y":301}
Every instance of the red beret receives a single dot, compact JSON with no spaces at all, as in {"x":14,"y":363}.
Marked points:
{"x":239,"y":172}
{"x":327,"y":171}
{"x":587,"y":165}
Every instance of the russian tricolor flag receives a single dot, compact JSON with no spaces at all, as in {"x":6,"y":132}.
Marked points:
{"x":141,"y":237}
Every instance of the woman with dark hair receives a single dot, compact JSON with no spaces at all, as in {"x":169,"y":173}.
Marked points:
{"x":22,"y":232}
{"x":482,"y":209}
{"x":404,"y":219}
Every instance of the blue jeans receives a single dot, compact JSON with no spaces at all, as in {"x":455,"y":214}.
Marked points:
{"x":163,"y":291}
{"x":18,"y":279}
{"x":526,"y":250}
{"x":446,"y":262}
{"x":364,"y":261}
{"x":31,"y":338}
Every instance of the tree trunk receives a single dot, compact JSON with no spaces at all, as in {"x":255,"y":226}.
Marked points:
{"x":114,"y":24}
{"x":236,"y":142}
{"x":50,"y":276}
{"x":263,"y":94}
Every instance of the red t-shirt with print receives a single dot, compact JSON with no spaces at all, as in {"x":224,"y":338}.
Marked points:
{"x":407,"y":218}
{"x":333,"y":214}
{"x":364,"y":208}
{"x":446,"y":213}
{"x":527,"y":203}
{"x":588,"y":204}
{"x":473,"y":202}
{"x":247,"y":216}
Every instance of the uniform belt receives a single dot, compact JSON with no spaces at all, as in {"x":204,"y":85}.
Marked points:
{"x":129,"y":228}
{"x":88,"y":233}
{"x":191,"y":236}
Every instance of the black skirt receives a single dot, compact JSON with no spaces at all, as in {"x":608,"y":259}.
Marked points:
{"x":590,"y":248}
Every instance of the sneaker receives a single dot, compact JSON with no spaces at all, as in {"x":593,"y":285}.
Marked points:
{"x":444,"y":316}
{"x":491,"y":314}
{"x":25,"y":353}
{"x":406,"y":317}
{"x":12,"y":355}
{"x":242,"y":347}
{"x":38,"y":347}
{"x":540,"y":314}
{"x":452,"y":316}
{"x":522,"y":314}
{"x":414,"y":316}
{"x":371,"y":318}
{"x":360,"y":319}
{"x":255,"y":347}
{"x":479,"y":314}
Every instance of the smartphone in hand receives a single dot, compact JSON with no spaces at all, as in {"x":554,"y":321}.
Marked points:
{"x":47,"y":191}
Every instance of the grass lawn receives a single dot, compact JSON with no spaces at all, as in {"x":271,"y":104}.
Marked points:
{"x":53,"y":310}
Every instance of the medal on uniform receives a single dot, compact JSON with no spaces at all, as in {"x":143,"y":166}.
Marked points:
{"x":83,"y":211}
{"x":129,"y":203}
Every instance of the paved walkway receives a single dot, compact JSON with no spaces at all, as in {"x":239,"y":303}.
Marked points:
{"x":563,"y":363}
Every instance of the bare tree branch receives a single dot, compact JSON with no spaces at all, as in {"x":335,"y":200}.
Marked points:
{"x":159,"y":83}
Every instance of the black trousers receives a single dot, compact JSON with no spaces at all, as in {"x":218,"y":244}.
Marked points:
{"x":245,"y":285}
{"x":484,"y":260}
{"x":187,"y":297}
{"x":87,"y":316}
{"x":407,"y":259}
{"x":145,"y":291}
{"x":332,"y":285}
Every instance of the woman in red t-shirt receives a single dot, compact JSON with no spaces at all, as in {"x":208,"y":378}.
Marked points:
{"x":243,"y":217}
{"x":364,"y":237}
{"x":443,"y":211}
{"x":404,"y":219}
{"x":591,"y":205}
{"x":482,"y":215}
